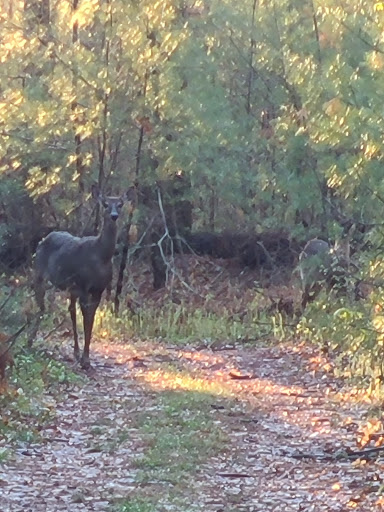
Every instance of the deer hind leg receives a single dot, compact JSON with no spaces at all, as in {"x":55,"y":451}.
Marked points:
{"x":39,"y":289}
{"x":72,"y":312}
{"x":305,"y":298}
{"x":310,"y":293}
{"x":88,"y":309}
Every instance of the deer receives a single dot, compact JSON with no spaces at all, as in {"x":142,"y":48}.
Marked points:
{"x":82,"y":266}
{"x":322,"y":265}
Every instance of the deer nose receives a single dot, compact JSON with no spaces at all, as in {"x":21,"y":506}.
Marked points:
{"x":114,"y":215}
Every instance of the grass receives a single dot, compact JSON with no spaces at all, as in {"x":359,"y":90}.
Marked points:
{"x":181,"y":324}
{"x":104,"y":442}
{"x":181,"y":432}
{"x":351,"y":331}
{"x":136,"y":505}
{"x":4,"y":455}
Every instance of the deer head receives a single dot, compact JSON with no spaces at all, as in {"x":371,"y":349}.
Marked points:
{"x":113,"y":205}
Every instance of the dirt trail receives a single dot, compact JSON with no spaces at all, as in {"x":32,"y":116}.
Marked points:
{"x":283,"y":407}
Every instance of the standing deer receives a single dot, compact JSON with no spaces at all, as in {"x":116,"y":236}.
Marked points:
{"x":80,"y":265}
{"x":321,"y":266}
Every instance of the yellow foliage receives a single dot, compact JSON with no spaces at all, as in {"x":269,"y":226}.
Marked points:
{"x":370,"y":149}
{"x":334,"y":107}
{"x":335,"y":180}
{"x":16,"y":164}
{"x":376,"y":60}
{"x":11,"y":98}
{"x":83,"y":16}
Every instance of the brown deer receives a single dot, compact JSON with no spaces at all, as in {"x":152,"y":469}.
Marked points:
{"x":80,"y":265}
{"x":321,"y":265}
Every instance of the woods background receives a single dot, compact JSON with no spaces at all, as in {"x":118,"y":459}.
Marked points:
{"x":256,"y":117}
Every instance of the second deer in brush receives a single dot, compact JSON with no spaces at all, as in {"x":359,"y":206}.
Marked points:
{"x":322,"y":266}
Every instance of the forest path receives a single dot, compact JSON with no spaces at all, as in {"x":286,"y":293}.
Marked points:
{"x":271,"y":404}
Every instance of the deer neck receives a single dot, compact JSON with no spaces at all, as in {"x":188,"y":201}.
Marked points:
{"x":106,"y":240}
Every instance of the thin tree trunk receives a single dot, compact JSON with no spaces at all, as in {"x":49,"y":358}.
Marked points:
{"x":123,"y":264}
{"x":79,"y":165}
{"x":251,"y":54}
{"x":316,"y":28}
{"x":212,"y":209}
{"x":127,"y":227}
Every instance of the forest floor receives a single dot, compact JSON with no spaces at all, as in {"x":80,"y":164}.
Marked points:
{"x":156,"y":427}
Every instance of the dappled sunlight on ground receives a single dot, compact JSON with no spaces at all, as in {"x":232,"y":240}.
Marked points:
{"x":163,"y":379}
{"x":286,"y":392}
{"x":301,"y":392}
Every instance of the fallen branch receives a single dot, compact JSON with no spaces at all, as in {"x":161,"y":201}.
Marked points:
{"x":340,"y":455}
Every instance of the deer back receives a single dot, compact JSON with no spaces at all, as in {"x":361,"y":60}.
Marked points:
{"x":314,"y":261}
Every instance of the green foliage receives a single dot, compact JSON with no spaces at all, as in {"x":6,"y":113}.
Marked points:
{"x":253,"y":108}
{"x":25,"y":406}
{"x":351,"y":332}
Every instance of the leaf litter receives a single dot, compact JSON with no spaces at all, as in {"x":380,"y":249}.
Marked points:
{"x":289,"y":425}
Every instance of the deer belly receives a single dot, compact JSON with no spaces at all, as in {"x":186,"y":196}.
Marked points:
{"x":79,"y":279}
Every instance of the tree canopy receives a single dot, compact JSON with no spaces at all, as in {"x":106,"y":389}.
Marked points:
{"x":272,"y":109}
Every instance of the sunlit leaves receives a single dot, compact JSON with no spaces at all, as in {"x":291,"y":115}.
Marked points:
{"x":204,"y":80}
{"x":83,"y":16}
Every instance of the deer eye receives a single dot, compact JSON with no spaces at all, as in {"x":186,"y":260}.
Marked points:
{"x":104,"y":203}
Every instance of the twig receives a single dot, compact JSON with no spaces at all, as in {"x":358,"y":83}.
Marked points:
{"x":53,"y":330}
{"x":12,"y":339}
{"x":159,"y":244}
{"x":7,"y":299}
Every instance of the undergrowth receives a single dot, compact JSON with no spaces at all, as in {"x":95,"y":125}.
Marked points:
{"x":352,"y":332}
{"x":183,"y":324}
{"x":25,"y":405}
{"x":24,"y":402}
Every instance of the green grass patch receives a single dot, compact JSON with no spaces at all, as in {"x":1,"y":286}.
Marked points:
{"x":36,"y":378}
{"x":102,"y":440}
{"x":4,"y":455}
{"x":181,"y":433}
{"x":136,"y":505}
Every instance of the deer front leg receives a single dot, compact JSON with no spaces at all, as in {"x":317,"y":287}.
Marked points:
{"x":88,"y":309}
{"x":72,"y":312}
